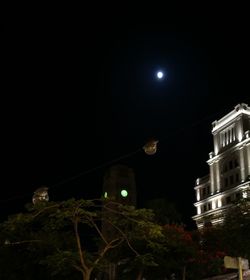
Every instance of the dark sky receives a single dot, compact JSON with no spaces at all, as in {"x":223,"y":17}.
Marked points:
{"x":82,"y":93}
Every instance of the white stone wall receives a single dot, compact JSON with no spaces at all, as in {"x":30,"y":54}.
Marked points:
{"x":231,"y":143}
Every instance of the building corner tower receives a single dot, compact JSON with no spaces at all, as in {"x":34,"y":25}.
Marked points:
{"x":229,"y":167}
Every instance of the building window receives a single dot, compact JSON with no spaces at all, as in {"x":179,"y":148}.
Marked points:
{"x":237,"y":195}
{"x":231,"y":179}
{"x":227,"y":136}
{"x":230,"y":164}
{"x":225,"y":168}
{"x":205,"y":191}
{"x":204,"y":208}
{"x":226,"y":182}
{"x":229,"y":172}
{"x":233,"y":133}
{"x":237,"y":177}
{"x":228,"y":199}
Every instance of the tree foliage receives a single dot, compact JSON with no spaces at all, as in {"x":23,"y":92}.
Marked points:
{"x":71,"y":236}
{"x":236,"y":229}
{"x":80,"y":239}
{"x":231,"y":239}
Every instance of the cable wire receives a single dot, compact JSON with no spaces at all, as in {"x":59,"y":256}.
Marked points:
{"x":196,"y":123}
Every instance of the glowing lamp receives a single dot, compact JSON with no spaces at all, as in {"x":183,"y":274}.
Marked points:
{"x":40,"y":195}
{"x":124,"y":193}
{"x":150,"y":147}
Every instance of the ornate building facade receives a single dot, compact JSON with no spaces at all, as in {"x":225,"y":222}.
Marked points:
{"x":229,"y":165}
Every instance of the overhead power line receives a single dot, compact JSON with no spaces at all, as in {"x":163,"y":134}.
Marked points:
{"x":130,"y":154}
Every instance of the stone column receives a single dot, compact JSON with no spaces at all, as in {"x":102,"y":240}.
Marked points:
{"x":239,"y":130}
{"x":248,"y":158}
{"x":242,"y":164}
{"x":216,"y":144}
{"x":212,"y":177}
{"x":198,"y":196}
{"x":217,"y":174}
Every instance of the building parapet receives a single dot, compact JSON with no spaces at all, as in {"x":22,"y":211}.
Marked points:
{"x":238,"y":110}
{"x":202,"y":180}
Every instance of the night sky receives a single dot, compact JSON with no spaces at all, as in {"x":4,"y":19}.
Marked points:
{"x":83,"y":93}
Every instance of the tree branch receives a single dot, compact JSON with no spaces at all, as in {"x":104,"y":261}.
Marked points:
{"x":117,"y":212}
{"x":21,"y":242}
{"x":125,"y":237}
{"x":108,"y":247}
{"x":44,"y":209}
{"x":79,"y":246}
{"x":78,"y":268}
{"x":98,"y":230}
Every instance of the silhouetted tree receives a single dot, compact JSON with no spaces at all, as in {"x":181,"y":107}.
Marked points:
{"x":61,"y":238}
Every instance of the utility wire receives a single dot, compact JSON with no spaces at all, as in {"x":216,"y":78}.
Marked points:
{"x":194,"y":124}
{"x":77,"y":175}
{"x":95,"y":168}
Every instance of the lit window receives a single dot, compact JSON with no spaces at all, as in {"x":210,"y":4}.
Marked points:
{"x":244,"y":194}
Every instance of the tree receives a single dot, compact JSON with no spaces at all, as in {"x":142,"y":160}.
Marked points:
{"x":176,"y":254}
{"x":231,"y":238}
{"x":165,"y":211}
{"x":236,"y":228}
{"x":68,"y":236}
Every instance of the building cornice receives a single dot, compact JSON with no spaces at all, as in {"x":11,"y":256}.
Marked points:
{"x":239,"y":110}
{"x":224,"y":193}
{"x":229,"y":150}
{"x":211,"y":212}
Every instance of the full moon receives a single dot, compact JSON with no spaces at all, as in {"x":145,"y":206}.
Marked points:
{"x":159,"y":75}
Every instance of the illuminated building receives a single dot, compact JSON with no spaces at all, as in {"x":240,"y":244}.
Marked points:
{"x":229,"y":164}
